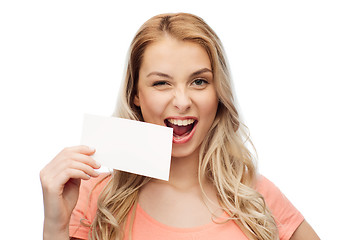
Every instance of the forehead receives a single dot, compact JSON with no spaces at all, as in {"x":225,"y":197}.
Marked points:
{"x":171,"y":55}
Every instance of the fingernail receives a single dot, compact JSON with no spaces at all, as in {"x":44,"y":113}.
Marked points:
{"x":92,"y":149}
{"x":98,"y":164}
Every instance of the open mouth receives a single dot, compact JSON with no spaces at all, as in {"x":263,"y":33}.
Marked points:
{"x":182,"y":129}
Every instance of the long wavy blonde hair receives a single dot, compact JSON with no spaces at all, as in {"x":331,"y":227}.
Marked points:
{"x":224,"y":158}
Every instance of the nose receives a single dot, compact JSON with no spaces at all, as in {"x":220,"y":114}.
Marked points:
{"x":182,"y":100}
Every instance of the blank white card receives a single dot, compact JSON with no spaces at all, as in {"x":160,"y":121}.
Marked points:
{"x":128,"y":145}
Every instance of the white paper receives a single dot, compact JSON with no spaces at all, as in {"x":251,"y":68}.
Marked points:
{"x":128,"y":145}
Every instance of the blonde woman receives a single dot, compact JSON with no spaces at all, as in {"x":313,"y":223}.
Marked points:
{"x":177,"y":76}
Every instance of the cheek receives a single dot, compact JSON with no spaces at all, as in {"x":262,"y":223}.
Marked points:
{"x":208,"y":106}
{"x":152,"y":106}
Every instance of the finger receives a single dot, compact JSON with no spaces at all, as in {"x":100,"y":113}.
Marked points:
{"x":74,"y":174}
{"x":55,"y":185}
{"x":83,"y":149}
{"x":65,"y":177}
{"x":65,"y":161}
{"x":83,"y":167}
{"x":86,"y":160}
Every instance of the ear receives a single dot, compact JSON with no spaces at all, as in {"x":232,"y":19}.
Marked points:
{"x":136,"y":100}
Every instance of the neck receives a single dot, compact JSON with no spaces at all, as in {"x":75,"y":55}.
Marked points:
{"x":184,"y":171}
{"x":183,"y":184}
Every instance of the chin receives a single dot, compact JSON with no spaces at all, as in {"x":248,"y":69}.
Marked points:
{"x":182,"y":152}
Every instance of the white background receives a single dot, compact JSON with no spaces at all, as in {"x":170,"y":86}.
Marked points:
{"x":61,"y":59}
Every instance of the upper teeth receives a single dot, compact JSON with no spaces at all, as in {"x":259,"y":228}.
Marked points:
{"x":181,"y":122}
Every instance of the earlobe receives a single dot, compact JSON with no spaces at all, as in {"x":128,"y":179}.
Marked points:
{"x":136,"y":100}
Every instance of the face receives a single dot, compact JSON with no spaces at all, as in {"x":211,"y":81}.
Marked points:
{"x":176,"y":89}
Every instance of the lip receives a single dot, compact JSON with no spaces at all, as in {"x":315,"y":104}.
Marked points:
{"x":182,"y":118}
{"x":188,"y":137}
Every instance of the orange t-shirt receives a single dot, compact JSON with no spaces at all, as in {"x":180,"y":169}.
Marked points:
{"x":287,"y":217}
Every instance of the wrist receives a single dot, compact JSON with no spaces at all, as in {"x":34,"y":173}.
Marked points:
{"x":56,"y":236}
{"x":53,"y":232}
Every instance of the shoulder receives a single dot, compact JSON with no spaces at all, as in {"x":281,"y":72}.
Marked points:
{"x":94,"y":186}
{"x":89,"y":192}
{"x":273,"y":196}
{"x":86,"y":207}
{"x":267,"y":188}
{"x":287,"y":217}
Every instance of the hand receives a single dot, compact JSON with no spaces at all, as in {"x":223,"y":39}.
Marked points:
{"x":60,"y":180}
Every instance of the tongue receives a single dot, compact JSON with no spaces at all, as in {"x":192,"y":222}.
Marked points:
{"x":180,"y":130}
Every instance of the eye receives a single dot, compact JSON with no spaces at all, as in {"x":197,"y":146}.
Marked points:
{"x":200,"y":82}
{"x":159,"y":83}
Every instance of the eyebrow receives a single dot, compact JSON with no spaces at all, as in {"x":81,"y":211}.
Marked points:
{"x":159,"y":74}
{"x":203,"y":70}
{"x":198,"y":72}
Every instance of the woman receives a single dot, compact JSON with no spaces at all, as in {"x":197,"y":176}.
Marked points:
{"x":177,"y":76}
